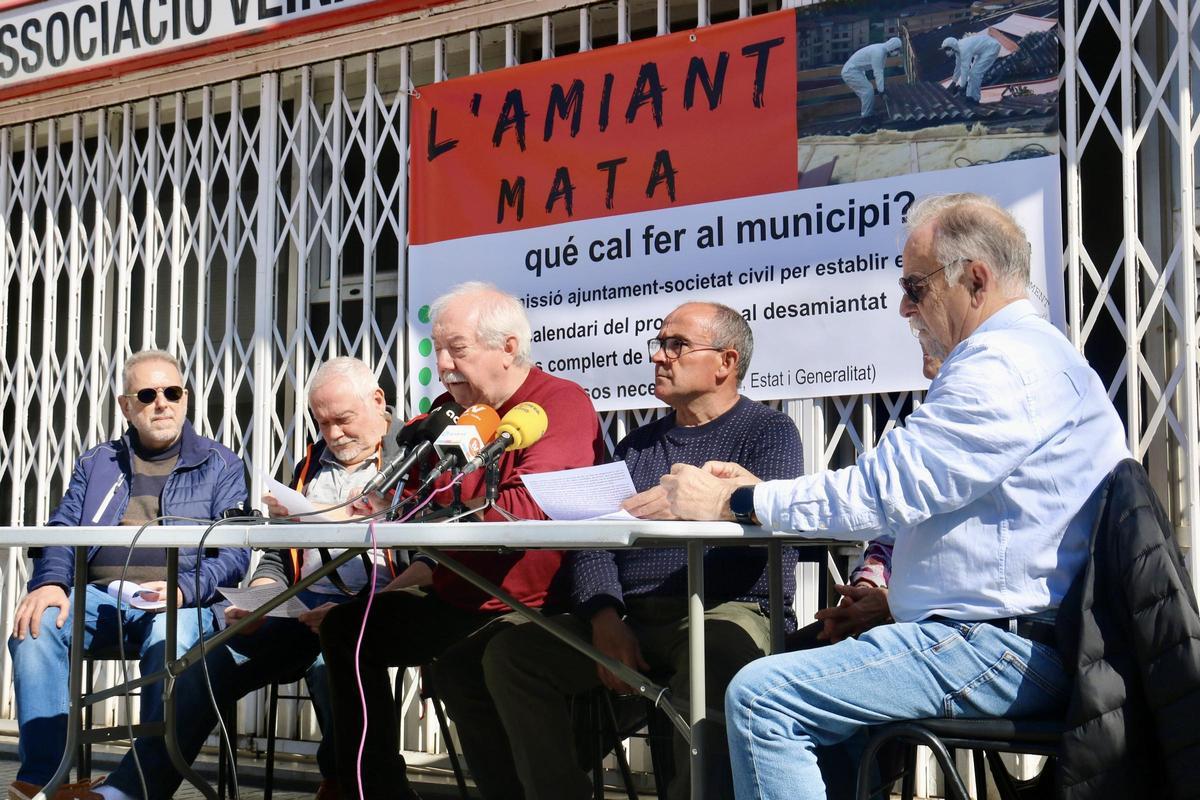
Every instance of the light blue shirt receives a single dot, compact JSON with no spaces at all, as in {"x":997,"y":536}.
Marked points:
{"x":983,"y":489}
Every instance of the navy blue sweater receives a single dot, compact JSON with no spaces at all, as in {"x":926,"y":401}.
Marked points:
{"x":763,"y":441}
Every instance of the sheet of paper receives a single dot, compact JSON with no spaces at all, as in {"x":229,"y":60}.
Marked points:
{"x":585,"y":493}
{"x":292,"y":500}
{"x":131,"y":595}
{"x":253,"y":597}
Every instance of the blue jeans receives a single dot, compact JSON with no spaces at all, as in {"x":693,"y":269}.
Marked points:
{"x":41,"y":670}
{"x":779,"y":708}
{"x":282,"y":650}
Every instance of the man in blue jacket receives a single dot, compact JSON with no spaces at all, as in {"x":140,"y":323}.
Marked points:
{"x":160,"y":467}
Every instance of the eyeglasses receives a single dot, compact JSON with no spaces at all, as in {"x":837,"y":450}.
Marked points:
{"x":672,"y":346}
{"x":173,"y":394}
{"x":914,"y":288}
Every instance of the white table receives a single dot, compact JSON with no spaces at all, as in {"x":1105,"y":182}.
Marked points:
{"x":430,"y":538}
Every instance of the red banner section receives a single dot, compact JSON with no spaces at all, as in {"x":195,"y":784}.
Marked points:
{"x":687,"y":118}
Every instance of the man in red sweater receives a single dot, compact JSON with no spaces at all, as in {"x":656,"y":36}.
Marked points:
{"x":482,"y":339}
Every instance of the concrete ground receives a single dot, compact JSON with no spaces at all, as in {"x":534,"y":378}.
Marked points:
{"x":295,"y":779}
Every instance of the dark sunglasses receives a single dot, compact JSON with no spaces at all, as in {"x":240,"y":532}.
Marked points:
{"x":173,"y":394}
{"x":914,"y":288}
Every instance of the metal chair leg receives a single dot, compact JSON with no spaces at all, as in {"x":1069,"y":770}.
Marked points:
{"x":227,"y":758}
{"x":619,"y":751}
{"x":954,"y":785}
{"x":430,"y":692}
{"x":598,"y":743}
{"x":981,"y":792}
{"x":272,"y":720}
{"x":908,"y":787}
{"x":83,"y":763}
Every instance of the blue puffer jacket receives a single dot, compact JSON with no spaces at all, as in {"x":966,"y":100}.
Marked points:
{"x":207,"y":480}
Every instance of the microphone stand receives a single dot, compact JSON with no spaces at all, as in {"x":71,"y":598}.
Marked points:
{"x":491,"y":479}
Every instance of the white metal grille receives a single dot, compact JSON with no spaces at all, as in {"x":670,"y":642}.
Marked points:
{"x":255,"y":226}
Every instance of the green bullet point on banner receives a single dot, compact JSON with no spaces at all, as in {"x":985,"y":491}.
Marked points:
{"x":425,"y":375}
{"x":423,"y":314}
{"x":424,"y":404}
{"x":425,"y":347}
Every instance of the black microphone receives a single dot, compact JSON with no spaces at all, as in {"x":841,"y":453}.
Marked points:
{"x":423,"y":432}
{"x":396,"y":447}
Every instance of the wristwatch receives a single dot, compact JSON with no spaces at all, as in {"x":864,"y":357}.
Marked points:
{"x":741,"y":503}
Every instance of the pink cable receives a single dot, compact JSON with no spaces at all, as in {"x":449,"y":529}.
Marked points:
{"x":362,"y":631}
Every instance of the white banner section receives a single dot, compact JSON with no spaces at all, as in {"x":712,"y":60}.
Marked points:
{"x":814,"y":271}
{"x":45,"y":39}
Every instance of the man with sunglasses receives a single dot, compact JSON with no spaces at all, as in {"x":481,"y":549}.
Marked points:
{"x":632,"y":604}
{"x":987,"y":489}
{"x":159,"y":467}
{"x":357,"y":427}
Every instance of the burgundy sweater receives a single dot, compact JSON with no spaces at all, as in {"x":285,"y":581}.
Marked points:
{"x":572,"y":439}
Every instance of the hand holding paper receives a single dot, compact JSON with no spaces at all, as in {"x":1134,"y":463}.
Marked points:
{"x":135,"y":595}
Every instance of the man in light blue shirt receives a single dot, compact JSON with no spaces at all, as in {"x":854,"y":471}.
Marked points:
{"x":986,"y":490}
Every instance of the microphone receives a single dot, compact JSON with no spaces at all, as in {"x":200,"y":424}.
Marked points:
{"x":421,"y":431}
{"x":459,"y":443}
{"x":397,"y":447}
{"x":523,"y":425}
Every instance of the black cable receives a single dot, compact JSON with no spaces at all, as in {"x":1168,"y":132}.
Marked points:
{"x":211,"y":525}
{"x":224,"y":739}
{"x":137,"y":762}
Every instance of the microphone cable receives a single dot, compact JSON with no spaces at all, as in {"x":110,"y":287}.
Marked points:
{"x":224,"y":739}
{"x":127,"y":699}
{"x":362,"y":630}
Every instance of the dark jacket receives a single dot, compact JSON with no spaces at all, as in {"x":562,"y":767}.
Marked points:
{"x":285,"y":566}
{"x":1129,"y":629}
{"x":207,"y":480}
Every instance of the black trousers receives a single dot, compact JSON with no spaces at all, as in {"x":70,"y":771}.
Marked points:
{"x":408,"y":628}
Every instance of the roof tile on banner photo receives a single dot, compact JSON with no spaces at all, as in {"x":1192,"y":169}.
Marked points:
{"x":688,"y":118}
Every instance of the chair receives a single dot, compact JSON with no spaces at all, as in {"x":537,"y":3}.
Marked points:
{"x":600,"y":727}
{"x":90,"y":735}
{"x":985,"y":738}
{"x":428,"y":692}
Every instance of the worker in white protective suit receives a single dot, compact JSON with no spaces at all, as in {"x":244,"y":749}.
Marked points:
{"x":854,"y":72}
{"x":973,"y":56}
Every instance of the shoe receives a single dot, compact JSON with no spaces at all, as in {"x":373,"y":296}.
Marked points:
{"x":328,"y":790}
{"x":79,"y":790}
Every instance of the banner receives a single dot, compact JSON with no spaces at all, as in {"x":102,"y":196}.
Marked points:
{"x":739,"y":179}
{"x":51,"y":44}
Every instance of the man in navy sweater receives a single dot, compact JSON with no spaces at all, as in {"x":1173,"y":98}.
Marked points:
{"x":632,"y":604}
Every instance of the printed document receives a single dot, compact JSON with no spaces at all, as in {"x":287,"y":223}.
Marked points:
{"x":292,"y":500}
{"x":253,"y":597}
{"x":585,"y":493}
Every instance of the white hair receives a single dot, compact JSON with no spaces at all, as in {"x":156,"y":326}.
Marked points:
{"x":974,"y":227}
{"x":353,"y":371}
{"x":142,"y":357}
{"x":498,"y":316}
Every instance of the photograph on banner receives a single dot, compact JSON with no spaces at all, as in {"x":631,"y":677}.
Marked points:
{"x":885,"y":90}
{"x":606,"y":188}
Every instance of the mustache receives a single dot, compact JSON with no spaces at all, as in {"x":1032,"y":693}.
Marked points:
{"x":453,"y":377}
